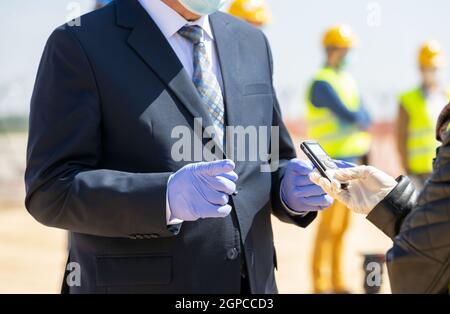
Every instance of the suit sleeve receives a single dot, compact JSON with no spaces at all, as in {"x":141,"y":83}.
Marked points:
{"x":65,"y":188}
{"x":286,"y":153}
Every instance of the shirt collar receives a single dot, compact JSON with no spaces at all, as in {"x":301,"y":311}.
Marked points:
{"x":169,"y":21}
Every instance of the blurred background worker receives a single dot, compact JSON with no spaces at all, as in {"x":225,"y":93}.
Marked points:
{"x":418,"y":113}
{"x":101,"y":3}
{"x":338,"y":120}
{"x":255,"y":12}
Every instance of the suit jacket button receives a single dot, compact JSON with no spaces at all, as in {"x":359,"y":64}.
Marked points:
{"x":139,"y":236}
{"x":132,"y":237}
{"x":232,"y":253}
{"x":153,"y":235}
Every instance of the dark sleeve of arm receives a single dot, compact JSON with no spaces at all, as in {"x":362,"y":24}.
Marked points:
{"x":418,"y":259}
{"x":389,"y":214}
{"x":324,"y":96}
{"x":286,"y":153}
{"x":64,"y":186}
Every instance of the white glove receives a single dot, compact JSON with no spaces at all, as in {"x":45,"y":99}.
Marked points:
{"x":367,"y":187}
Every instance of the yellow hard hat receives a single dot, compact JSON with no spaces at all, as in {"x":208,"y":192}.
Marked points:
{"x":340,"y":36}
{"x":431,"y":55}
{"x":253,"y":11}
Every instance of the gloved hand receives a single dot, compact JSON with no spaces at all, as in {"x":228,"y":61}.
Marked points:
{"x":297,"y":190}
{"x":367,"y":187}
{"x":201,"y":190}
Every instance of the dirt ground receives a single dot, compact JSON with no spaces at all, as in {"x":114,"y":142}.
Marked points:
{"x":32,"y":256}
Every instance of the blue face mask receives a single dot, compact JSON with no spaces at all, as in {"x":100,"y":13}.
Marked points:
{"x":203,"y":7}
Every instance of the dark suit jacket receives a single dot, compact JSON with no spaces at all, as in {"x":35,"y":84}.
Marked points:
{"x":108,"y":94}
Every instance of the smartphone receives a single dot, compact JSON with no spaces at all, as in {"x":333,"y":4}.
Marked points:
{"x":320,"y":159}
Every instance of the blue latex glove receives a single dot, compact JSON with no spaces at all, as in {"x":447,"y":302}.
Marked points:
{"x":298,"y":192}
{"x":201,"y":190}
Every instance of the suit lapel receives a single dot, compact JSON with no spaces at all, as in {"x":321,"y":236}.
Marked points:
{"x":150,"y":44}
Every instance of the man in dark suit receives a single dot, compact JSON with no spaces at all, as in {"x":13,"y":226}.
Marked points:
{"x":108,"y":96}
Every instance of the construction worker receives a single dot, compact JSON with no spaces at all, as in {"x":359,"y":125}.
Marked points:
{"x":255,"y":12}
{"x":418,"y":112}
{"x":338,"y":120}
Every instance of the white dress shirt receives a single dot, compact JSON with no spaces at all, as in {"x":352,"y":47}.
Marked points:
{"x":170,"y":22}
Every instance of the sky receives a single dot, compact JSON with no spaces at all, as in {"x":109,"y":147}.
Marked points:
{"x":384,"y":64}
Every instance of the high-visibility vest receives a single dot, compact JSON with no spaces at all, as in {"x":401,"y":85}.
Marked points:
{"x":339,"y":138}
{"x":421,"y":144}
